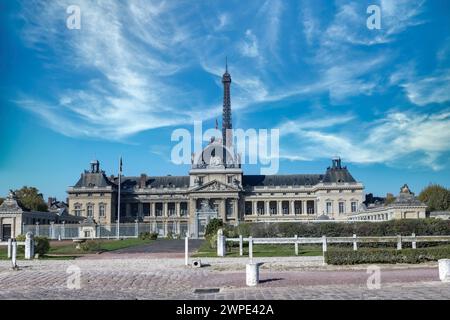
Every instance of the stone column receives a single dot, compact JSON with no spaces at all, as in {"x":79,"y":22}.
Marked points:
{"x":280,"y":207}
{"x":166,"y":228}
{"x":165,"y":209}
{"x":37,"y":229}
{"x":304,"y":207}
{"x":223,"y":210}
{"x":177,"y":209}
{"x":292,"y":212}
{"x":267,"y":203}
{"x":140,"y":210}
{"x":255,"y":208}
{"x":153,"y":209}
{"x":235,"y":210}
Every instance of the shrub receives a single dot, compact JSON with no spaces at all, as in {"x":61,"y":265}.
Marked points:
{"x":90,"y":245}
{"x":148,"y":235}
{"x":369,"y":256}
{"x":420,"y":227}
{"x":41,"y":245}
{"x":153,"y":235}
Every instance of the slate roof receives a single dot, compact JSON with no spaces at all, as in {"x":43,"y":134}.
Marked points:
{"x":155,"y":182}
{"x":282,"y":180}
{"x":90,"y":180}
{"x":338,"y":175}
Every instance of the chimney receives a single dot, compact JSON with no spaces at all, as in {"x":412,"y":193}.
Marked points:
{"x":143,"y":181}
{"x":50,"y":200}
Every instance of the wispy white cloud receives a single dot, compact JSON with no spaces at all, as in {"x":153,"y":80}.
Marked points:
{"x":426,"y":137}
{"x":423,"y":90}
{"x":249,"y":47}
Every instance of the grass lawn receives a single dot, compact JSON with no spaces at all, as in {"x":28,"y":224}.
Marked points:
{"x":69,"y":248}
{"x":262,"y":250}
{"x":66,"y":249}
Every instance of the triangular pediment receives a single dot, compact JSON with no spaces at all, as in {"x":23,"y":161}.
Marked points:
{"x":215,"y":186}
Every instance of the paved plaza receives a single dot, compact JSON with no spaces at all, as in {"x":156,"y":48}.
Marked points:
{"x":155,"y":277}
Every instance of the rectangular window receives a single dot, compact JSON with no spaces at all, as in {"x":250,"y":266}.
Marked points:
{"x":341,"y":207}
{"x":329,"y":206}
{"x":78,"y":210}
{"x":353,"y":206}
{"x":90,"y":210}
{"x":101,"y":210}
{"x":230,"y":179}
{"x":183,"y":209}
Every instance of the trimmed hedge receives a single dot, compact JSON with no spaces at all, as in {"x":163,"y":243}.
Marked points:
{"x":370,"y":256}
{"x":421,"y":227}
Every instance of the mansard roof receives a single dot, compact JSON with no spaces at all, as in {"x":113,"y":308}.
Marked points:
{"x":156,"y":182}
{"x":338,"y":175}
{"x":282,"y":180}
{"x":96,"y":179}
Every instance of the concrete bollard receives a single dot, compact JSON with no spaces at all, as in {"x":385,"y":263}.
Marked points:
{"x":296,"y":245}
{"x":444,"y":270}
{"x":399,"y":242}
{"x":186,"y":251}
{"x":241,"y":245}
{"x":252,"y":274}
{"x":355,"y":243}
{"x":29,"y":246}
{"x":221,"y":244}
{"x":196,"y":263}
{"x":9,"y":248}
{"x":14,"y":254}
{"x":413,"y":243}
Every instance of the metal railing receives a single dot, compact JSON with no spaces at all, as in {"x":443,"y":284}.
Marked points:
{"x":107,"y":231}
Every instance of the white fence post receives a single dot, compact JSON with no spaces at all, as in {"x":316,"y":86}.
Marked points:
{"x":52,"y":230}
{"x":324,"y":244}
{"x":63,"y":230}
{"x":14,"y":254}
{"x":29,"y":246}
{"x":250,"y":249}
{"x":9,"y":248}
{"x":399,"y":242}
{"x":241,"y":245}
{"x":186,"y":250}
{"x":136,"y":228}
{"x":413,"y":243}
{"x":355,"y":243}
{"x":296,"y":245}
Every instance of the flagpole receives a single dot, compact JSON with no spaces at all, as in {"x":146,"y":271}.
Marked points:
{"x":118,"y":207}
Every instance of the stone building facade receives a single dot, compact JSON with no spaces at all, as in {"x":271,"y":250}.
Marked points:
{"x":216,"y":187}
{"x":13,"y":217}
{"x":405,"y":206}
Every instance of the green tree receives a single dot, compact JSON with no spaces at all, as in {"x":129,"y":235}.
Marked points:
{"x":436,"y":197}
{"x":389,"y":199}
{"x":29,"y":198}
{"x":213,"y":226}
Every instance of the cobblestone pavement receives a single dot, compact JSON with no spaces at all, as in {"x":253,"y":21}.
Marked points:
{"x":281,"y":278}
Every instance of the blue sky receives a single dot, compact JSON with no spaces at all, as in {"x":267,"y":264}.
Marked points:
{"x":137,"y":70}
